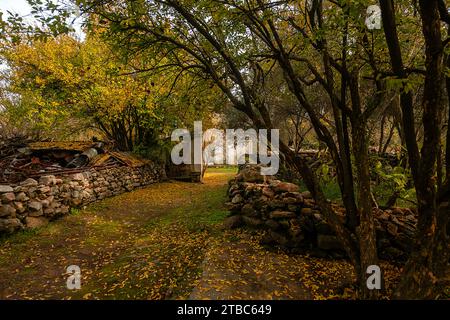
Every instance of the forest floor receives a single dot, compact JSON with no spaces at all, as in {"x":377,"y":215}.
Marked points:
{"x":164,"y":241}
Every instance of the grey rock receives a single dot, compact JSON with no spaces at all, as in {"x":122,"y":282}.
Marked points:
{"x":252,"y":222}
{"x":44,"y":189}
{"x":45,"y":203}
{"x":285,"y":187}
{"x":306,"y":195}
{"x":252,"y":174}
{"x":78,"y":177}
{"x":290,"y":200}
{"x":34,"y":222}
{"x":276,"y":203}
{"x":309,"y":203}
{"x":10,"y":225}
{"x":35,"y":205}
{"x":278,"y":238}
{"x":260,"y":203}
{"x":37,"y":213}
{"x":76,"y":202}
{"x":268,"y":192}
{"x":7,"y":210}
{"x":272,"y":224}
{"x":76,"y":194}
{"x":237,"y":198}
{"x":47,"y":180}
{"x":19,"y":207}
{"x":49,"y":212}
{"x":282,"y":215}
{"x":296,"y":195}
{"x":295,"y":230}
{"x":323,"y":228}
{"x":233,"y":208}
{"x":21,"y":196}
{"x":65,"y":209}
{"x":55,"y":190}
{"x":392,"y":229}
{"x":29,"y":183}
{"x":233,"y":222}
{"x":8,"y":197}
{"x":5,"y":188}
{"x":248,"y":210}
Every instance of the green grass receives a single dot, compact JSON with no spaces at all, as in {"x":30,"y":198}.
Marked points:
{"x":223,"y":169}
{"x":160,"y":257}
{"x":382,"y":193}
{"x":74,"y":211}
{"x":170,"y":250}
{"x":204,"y":212}
{"x":332,"y":191}
{"x":194,"y":220}
{"x":101,"y":231}
{"x":20,"y":236}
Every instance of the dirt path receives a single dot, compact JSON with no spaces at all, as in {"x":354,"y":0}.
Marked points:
{"x":160,"y":242}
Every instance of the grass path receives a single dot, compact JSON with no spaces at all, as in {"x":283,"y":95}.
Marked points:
{"x":161,"y":242}
{"x":144,"y":244}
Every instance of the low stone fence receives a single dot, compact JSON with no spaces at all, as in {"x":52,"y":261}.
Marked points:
{"x":34,"y":202}
{"x":293,"y":220}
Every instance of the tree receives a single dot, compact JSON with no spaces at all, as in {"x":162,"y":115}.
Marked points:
{"x":61,"y":86}
{"x":429,"y":260}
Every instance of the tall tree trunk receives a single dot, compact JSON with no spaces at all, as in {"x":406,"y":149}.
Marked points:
{"x":420,"y":273}
{"x":406,"y":99}
{"x":367,"y":235}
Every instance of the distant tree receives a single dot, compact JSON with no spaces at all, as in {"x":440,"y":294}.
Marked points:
{"x":61,"y":85}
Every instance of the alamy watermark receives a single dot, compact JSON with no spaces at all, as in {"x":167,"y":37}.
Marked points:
{"x":229,"y":146}
{"x":374,"y":279}
{"x":74,"y":280}
{"x":373,"y":19}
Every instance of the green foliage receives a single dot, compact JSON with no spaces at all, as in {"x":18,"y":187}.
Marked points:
{"x":158,"y":152}
{"x":394,"y":180}
{"x":75,"y":211}
{"x":324,"y":173}
{"x":62,"y":86}
{"x":332,"y":191}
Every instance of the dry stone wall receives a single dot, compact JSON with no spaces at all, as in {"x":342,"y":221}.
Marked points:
{"x":293,"y":220}
{"x":35,"y":201}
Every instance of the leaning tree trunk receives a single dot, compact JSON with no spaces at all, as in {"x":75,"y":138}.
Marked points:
{"x":342,"y":233}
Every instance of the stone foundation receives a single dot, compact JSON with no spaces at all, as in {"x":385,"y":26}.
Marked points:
{"x":35,"y":201}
